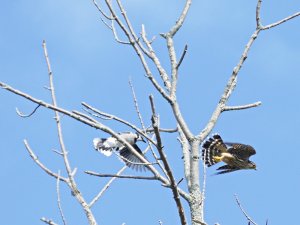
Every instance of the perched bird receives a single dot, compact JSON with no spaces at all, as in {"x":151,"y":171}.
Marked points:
{"x":107,"y":145}
{"x":235,"y":155}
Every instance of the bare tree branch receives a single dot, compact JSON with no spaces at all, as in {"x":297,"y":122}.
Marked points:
{"x":280,"y":21}
{"x":228,"y":89}
{"x":95,"y":125}
{"x":150,"y":130}
{"x":48,"y":221}
{"x":258,"y":22}
{"x":85,"y":116}
{"x":180,"y":120}
{"x":120,"y":176}
{"x":98,"y":196}
{"x":58,"y":200}
{"x":181,"y":18}
{"x":233,"y":78}
{"x":72,"y":183}
{"x":135,"y":44}
{"x":41,"y":165}
{"x":27,"y":115}
{"x":136,"y":105}
{"x":141,"y":132}
{"x":116,"y":35}
{"x":240,"y":107}
{"x":143,"y":126}
{"x":127,"y":21}
{"x":243,"y":211}
{"x":186,"y":157}
{"x":182,"y":56}
{"x":203,"y":184}
{"x":101,"y":11}
{"x":173,"y":184}
{"x":47,"y":105}
{"x":157,"y":63}
{"x":57,"y":116}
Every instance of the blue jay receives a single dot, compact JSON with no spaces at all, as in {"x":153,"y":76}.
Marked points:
{"x":107,"y":145}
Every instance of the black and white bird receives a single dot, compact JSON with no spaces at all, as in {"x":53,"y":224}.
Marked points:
{"x":107,"y":145}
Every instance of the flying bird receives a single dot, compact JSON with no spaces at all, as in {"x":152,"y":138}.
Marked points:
{"x":107,"y":145}
{"x":235,"y":155}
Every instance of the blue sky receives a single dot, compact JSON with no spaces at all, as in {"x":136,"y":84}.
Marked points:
{"x":90,"y":66}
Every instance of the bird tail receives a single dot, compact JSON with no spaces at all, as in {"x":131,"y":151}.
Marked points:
{"x":212,"y":149}
{"x":100,"y":147}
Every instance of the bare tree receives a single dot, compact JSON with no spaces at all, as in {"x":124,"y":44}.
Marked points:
{"x":115,"y":18}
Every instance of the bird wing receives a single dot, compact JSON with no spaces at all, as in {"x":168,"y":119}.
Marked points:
{"x":226,"y":169}
{"x":103,"y":145}
{"x":241,"y":151}
{"x":132,"y":160}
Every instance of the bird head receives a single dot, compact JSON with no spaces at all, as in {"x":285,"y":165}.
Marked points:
{"x":139,"y":138}
{"x":251,"y":165}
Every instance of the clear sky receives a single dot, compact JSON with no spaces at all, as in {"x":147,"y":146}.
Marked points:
{"x":90,"y":66}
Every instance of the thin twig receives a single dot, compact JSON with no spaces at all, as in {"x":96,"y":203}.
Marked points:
{"x":182,"y":56}
{"x":243,"y":211}
{"x":150,"y":130}
{"x":116,"y":35}
{"x":98,"y":196}
{"x":41,"y":165}
{"x":58,"y":200}
{"x":96,"y":115}
{"x":143,"y":125}
{"x":181,"y":18}
{"x":157,"y":63}
{"x":101,"y":11}
{"x":127,"y":21}
{"x":27,"y":115}
{"x":119,"y":120}
{"x":120,"y":176}
{"x":280,"y":21}
{"x":48,"y":221}
{"x":136,"y":105}
{"x":240,"y":107}
{"x":85,"y":116}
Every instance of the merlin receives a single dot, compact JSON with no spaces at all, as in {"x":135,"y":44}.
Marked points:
{"x":235,"y":155}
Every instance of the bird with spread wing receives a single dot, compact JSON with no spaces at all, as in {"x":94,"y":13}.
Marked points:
{"x":109,"y":145}
{"x":235,"y":155}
